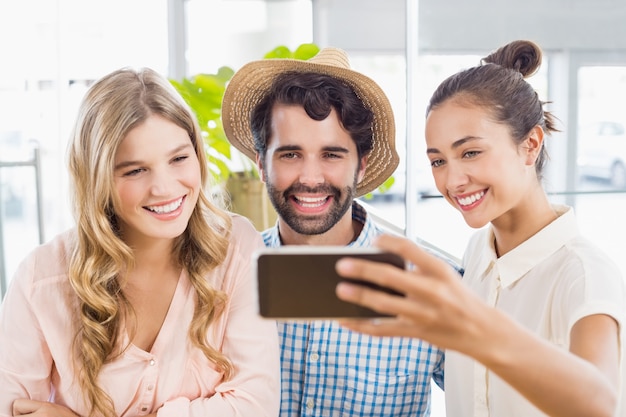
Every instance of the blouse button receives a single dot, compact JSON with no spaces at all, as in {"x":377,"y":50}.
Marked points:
{"x":152,"y":362}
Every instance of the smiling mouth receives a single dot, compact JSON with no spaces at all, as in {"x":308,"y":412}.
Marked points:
{"x":166,"y":208}
{"x":310,"y":202}
{"x":470,"y":199}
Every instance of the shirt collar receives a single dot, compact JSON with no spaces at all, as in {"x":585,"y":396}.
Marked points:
{"x":515,"y":264}
{"x":369,"y":230}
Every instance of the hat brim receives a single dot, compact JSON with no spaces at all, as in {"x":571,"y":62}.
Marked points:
{"x":252,"y":82}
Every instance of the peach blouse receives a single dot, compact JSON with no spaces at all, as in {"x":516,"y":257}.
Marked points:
{"x":174,"y":378}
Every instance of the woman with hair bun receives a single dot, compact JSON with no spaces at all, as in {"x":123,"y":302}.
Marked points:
{"x":535,"y":326}
{"x":147,"y":306}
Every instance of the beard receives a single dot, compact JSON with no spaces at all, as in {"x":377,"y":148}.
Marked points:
{"x":312,"y":224}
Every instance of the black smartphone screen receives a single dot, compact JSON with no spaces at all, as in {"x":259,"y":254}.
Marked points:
{"x":302,"y":285}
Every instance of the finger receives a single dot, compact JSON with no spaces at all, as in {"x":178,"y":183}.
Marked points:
{"x":378,"y":301}
{"x":412,"y":284}
{"x":378,"y":273}
{"x":414,"y":307}
{"x":25,"y":406}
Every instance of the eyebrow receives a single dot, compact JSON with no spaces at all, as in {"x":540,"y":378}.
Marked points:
{"x":288,"y":148}
{"x":456,"y":143}
{"x":126,"y":164}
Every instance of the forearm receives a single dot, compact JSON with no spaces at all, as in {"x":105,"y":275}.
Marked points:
{"x":437,"y":307}
{"x":553,"y":379}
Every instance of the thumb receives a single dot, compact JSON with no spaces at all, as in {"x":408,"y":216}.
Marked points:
{"x":25,"y":406}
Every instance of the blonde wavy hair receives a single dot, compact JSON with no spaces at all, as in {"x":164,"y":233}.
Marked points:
{"x":113,"y":106}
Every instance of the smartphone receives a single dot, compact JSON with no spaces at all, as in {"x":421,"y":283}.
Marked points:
{"x":298,"y":282}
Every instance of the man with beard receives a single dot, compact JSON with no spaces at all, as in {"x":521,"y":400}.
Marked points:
{"x":323,"y":134}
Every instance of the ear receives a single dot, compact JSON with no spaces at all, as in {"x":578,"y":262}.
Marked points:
{"x":533,"y":144}
{"x":362,"y":167}
{"x":259,"y":166}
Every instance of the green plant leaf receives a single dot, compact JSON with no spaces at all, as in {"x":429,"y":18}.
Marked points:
{"x":221,"y":171}
{"x":386,"y":186}
{"x":279,"y":52}
{"x":225,"y":74}
{"x":220,"y":145}
{"x":306,"y":51}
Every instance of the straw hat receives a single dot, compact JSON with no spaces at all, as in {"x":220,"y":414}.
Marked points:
{"x":252,"y":82}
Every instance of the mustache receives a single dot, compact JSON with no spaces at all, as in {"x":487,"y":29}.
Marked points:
{"x":321,"y":189}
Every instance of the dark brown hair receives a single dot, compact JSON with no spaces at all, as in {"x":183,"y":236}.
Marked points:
{"x":318,"y":94}
{"x":499,"y":85}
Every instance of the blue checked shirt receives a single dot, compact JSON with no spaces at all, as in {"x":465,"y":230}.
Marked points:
{"x":331,"y":371}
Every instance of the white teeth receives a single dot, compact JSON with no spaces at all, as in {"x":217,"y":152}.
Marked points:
{"x":167,"y":208}
{"x":466,"y":201}
{"x":310,"y":202}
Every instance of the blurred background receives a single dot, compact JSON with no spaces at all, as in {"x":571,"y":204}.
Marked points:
{"x":52,"y":50}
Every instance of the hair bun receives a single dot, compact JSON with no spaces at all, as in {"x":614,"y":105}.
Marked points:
{"x":522,"y":56}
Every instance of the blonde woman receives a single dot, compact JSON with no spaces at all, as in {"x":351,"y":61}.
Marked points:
{"x":146,"y":307}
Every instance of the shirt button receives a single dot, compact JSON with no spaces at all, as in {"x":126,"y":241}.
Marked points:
{"x":152,"y":362}
{"x":144,"y":409}
{"x":150,"y":387}
{"x":315,"y":357}
{"x":310,"y":404}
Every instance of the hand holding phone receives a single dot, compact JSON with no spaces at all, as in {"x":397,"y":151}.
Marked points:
{"x":298,"y":282}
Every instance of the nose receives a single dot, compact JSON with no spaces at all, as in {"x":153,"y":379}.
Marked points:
{"x":160,"y":180}
{"x":455,"y":176}
{"x":312,"y":173}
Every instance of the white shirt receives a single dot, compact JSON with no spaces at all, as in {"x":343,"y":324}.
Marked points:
{"x":547,"y":283}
